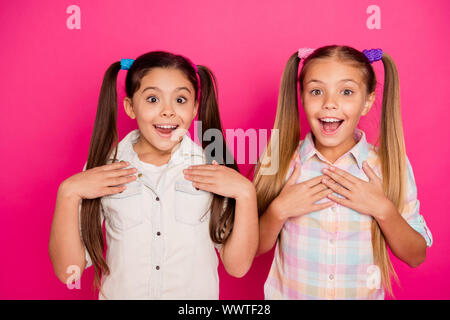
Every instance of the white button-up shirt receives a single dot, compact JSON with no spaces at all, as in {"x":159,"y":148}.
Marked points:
{"x":157,"y":231}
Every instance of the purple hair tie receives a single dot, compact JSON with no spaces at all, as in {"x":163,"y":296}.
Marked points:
{"x":373,"y":54}
{"x":303,"y":53}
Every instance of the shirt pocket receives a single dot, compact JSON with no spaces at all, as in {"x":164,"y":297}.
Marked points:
{"x":124,"y":209}
{"x":191,"y":205}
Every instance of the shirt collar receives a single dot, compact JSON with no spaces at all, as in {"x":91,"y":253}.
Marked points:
{"x":182,"y":152}
{"x":360,"y":150}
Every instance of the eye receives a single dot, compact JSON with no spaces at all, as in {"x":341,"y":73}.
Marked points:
{"x":152,"y":99}
{"x":316,"y":92}
{"x":347,"y":92}
{"x":181,"y":100}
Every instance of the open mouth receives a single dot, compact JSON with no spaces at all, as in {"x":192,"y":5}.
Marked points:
{"x":330,"y":126}
{"x":165,"y":129}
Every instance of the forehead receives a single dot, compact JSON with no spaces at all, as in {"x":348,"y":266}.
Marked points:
{"x":332,"y":70}
{"x":165,"y":78}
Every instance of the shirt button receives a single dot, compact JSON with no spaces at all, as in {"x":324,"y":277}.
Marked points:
{"x":331,"y":277}
{"x":157,"y":198}
{"x":334,"y":209}
{"x":139,"y":175}
{"x":158,"y":233}
{"x":157,"y":267}
{"x":331,"y":242}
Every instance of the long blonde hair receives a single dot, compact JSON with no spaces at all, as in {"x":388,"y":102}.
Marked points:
{"x":391,"y":150}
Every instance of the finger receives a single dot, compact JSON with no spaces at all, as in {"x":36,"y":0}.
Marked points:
{"x":203,"y":167}
{"x":114,"y":190}
{"x":339,"y":178}
{"x":369,"y":172}
{"x":318,"y":188}
{"x":314,"y":181}
{"x":199,"y":178}
{"x":342,"y":201}
{"x":295,"y":174}
{"x":119,"y":180}
{"x":321,"y":206}
{"x":344,"y":174}
{"x":204,"y":186}
{"x":320,"y":195}
{"x":336,"y":187}
{"x":198,"y":171}
{"x":115,"y":165}
{"x":121,"y":172}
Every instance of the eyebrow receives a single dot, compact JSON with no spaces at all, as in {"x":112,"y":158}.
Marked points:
{"x":343,"y":80}
{"x":158,"y":89}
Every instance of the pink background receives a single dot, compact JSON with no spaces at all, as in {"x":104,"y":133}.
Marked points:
{"x":51,"y":78}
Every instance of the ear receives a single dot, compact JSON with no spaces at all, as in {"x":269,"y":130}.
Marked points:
{"x":195,"y":109}
{"x":301,"y":97}
{"x":128,"y":106}
{"x":368,"y":104}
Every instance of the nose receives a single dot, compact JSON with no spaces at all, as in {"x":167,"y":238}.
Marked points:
{"x":329,"y":102}
{"x":167,"y":111}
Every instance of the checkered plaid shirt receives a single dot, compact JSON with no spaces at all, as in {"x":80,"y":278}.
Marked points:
{"x":328,"y":254}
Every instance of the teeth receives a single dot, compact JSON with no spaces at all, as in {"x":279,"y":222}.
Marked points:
{"x":330,"y":120}
{"x":165,"y":126}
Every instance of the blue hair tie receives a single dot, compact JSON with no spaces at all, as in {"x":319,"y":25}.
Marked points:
{"x":373,"y":54}
{"x":125,"y":64}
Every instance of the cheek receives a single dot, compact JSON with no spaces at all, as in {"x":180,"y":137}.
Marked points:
{"x":352,"y":109}
{"x":146,"y":113}
{"x":312,"y":102}
{"x":312,"y":107}
{"x":186,"y":113}
{"x":309,"y":113}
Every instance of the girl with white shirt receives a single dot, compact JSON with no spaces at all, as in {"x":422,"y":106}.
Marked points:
{"x":163,"y":215}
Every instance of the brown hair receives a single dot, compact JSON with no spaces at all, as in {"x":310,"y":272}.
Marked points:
{"x":391,"y":149}
{"x":104,"y":141}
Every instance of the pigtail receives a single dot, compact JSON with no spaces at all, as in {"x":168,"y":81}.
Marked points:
{"x":104,"y":136}
{"x":392,"y":141}
{"x":222,"y":209}
{"x":268,"y":186}
{"x":393,"y":163}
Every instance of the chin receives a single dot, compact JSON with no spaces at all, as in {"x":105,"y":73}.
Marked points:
{"x":324,"y":140}
{"x":166,"y":146}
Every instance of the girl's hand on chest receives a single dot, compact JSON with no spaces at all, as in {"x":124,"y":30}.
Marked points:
{"x":220,"y":180}
{"x":366,"y":197}
{"x":99,"y":181}
{"x":298,"y":199}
